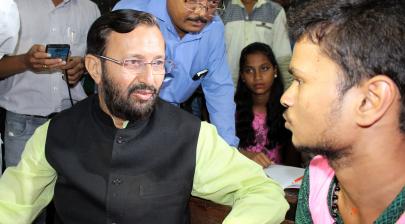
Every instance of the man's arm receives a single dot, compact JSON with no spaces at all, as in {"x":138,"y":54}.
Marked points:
{"x":9,"y":27}
{"x":33,"y":60}
{"x":26,"y":189}
{"x":225,"y":176}
{"x":10,"y":65}
{"x":219,"y":90}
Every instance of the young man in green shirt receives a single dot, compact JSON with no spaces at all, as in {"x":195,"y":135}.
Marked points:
{"x":347,"y":105}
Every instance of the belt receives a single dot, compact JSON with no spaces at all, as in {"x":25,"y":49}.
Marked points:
{"x":49,"y":116}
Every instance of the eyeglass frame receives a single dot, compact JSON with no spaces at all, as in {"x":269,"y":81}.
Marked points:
{"x":122,"y":63}
{"x":219,"y":9}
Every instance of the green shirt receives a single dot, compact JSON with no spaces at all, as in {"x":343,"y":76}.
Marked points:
{"x":222,"y":175}
{"x":303,"y":214}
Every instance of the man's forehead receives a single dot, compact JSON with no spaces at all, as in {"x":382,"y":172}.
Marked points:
{"x":142,"y":38}
{"x":305,"y":49}
{"x":308,"y":57}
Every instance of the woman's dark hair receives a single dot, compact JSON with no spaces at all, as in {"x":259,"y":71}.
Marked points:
{"x":277,"y":134}
{"x":120,"y":21}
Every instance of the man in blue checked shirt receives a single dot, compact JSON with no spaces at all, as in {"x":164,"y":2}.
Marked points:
{"x":194,"y":37}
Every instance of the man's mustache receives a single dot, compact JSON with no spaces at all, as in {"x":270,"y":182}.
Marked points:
{"x":198,"y":19}
{"x":141,"y":86}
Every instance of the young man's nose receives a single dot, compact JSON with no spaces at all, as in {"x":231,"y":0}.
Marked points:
{"x":287,"y":99}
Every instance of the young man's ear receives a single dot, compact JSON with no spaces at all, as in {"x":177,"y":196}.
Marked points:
{"x":93,"y":66}
{"x":379,"y":93}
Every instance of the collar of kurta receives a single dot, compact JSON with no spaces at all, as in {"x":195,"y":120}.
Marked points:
{"x":107,"y":121}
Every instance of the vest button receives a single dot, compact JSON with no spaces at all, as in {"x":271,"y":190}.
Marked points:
{"x":117,"y":181}
{"x":120,"y":140}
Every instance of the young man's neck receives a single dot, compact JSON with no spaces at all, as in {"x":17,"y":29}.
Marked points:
{"x":371,"y":176}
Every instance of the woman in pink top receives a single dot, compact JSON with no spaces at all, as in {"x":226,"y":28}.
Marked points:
{"x":259,"y":120}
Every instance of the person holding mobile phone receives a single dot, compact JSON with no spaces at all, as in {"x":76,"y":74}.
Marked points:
{"x":9,"y":27}
{"x":32,"y":88}
{"x":126,"y":156}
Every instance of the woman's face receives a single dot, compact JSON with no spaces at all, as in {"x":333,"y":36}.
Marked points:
{"x":258,"y":73}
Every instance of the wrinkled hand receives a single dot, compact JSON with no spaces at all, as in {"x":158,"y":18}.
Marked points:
{"x":74,"y":69}
{"x":36,"y":59}
{"x":258,"y":157}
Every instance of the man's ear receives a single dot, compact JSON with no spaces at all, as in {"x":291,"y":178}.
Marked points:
{"x":379,"y":93}
{"x":93,"y":66}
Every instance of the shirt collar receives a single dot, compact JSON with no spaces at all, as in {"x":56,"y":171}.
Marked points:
{"x":159,"y":10}
{"x":63,"y":3}
{"x":258,"y":3}
{"x":107,"y":121}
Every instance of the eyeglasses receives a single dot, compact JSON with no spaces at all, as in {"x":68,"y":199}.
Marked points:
{"x":211,"y":6}
{"x":159,"y":66}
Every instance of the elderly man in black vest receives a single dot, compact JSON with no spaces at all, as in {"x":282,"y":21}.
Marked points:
{"x":124,"y":155}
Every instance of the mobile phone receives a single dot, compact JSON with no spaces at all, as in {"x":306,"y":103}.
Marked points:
{"x":58,"y":50}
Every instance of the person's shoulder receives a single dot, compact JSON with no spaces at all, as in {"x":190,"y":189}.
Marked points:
{"x":269,"y":11}
{"x":167,"y":107}
{"x":77,"y":109}
{"x":273,"y":6}
{"x":132,"y":4}
{"x":214,"y":29}
{"x":85,"y":9}
{"x":217,"y":24}
{"x":86,"y":4}
{"x":234,"y":13}
{"x":173,"y":112}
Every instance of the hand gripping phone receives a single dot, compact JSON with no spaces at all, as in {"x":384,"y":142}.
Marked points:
{"x":58,"y":51}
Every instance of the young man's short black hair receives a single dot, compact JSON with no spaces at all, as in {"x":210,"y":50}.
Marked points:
{"x":364,"y":37}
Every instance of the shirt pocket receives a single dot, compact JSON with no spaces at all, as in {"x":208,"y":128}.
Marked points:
{"x":263,"y":30}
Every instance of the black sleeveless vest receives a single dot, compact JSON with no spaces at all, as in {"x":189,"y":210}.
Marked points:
{"x":141,"y":174}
